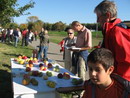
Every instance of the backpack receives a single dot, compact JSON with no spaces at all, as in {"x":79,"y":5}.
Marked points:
{"x":125,"y":31}
{"x":118,"y":78}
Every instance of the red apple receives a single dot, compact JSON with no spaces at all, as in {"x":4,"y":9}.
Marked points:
{"x":26,"y":76}
{"x":50,"y":65}
{"x":24,"y":57}
{"x":41,"y":64}
{"x":30,"y":62}
{"x":60,"y":75}
{"x":35,"y":73}
{"x":45,"y":68}
{"x":28,"y":69}
{"x":66,"y":75}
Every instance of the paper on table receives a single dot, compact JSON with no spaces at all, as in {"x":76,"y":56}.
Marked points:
{"x":73,"y":48}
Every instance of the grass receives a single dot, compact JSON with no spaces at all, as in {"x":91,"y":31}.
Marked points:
{"x":56,"y":37}
{"x":8,"y":51}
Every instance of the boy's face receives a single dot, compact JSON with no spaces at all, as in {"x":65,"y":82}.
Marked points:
{"x":98,"y":74}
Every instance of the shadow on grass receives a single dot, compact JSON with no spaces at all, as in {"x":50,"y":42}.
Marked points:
{"x":6,"y":90}
{"x":9,"y":54}
{"x":6,"y":65}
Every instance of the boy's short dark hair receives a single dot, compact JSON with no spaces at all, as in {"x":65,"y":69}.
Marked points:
{"x":102,"y":56}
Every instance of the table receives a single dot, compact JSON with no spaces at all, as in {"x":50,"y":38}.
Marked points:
{"x":42,"y":90}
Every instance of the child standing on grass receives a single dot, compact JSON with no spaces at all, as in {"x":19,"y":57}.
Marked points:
{"x":101,"y":83}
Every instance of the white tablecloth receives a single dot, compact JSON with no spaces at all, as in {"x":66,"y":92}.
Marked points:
{"x":42,"y":90}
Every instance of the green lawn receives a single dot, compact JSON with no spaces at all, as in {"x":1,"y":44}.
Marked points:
{"x":58,"y":36}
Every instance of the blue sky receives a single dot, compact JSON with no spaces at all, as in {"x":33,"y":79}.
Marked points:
{"x":69,"y":10}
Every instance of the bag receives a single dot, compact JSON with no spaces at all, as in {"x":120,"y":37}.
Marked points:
{"x":118,"y":78}
{"x":125,"y":31}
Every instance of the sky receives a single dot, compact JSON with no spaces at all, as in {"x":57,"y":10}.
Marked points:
{"x":53,"y":11}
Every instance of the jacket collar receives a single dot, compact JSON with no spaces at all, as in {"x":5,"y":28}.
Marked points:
{"x":108,"y":25}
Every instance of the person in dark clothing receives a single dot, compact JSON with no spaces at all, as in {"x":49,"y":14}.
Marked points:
{"x":16,"y":36}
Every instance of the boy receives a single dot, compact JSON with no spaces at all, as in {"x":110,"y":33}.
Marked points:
{"x":101,"y":85}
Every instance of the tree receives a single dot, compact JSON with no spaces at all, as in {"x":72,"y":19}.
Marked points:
{"x":23,"y":26}
{"x":59,"y":26}
{"x":34,"y":23}
{"x":32,"y":19}
{"x":11,"y":25}
{"x":10,"y":9}
{"x":48,"y":26}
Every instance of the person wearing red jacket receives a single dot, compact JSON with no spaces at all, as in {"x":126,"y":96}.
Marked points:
{"x":113,"y":37}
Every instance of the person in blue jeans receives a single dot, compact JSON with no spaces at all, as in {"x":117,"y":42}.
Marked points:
{"x":44,"y":43}
{"x":16,"y":36}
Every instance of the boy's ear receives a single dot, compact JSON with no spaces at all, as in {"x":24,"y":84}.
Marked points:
{"x":110,"y":69}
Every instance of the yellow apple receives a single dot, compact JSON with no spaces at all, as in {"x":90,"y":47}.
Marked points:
{"x":27,"y":65}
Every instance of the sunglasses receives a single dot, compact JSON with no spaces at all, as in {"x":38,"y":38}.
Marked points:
{"x":70,"y":33}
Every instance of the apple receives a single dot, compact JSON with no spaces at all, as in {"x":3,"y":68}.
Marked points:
{"x":30,"y":65}
{"x":24,"y":57}
{"x":60,"y":75}
{"x":34,"y":82}
{"x":41,"y":64}
{"x":40,"y":74}
{"x":49,"y":74}
{"x":21,"y":62}
{"x":27,"y":65}
{"x":45,"y":68}
{"x":45,"y":77}
{"x":66,"y":75}
{"x":42,"y":67}
{"x":28,"y":69}
{"x":30,"y":73}
{"x":27,"y":60}
{"x":56,"y":69}
{"x":35,"y":73}
{"x":31,"y":58}
{"x":45,"y":62}
{"x":30,"y":62}
{"x":50,"y":65}
{"x":35,"y":60}
{"x":26,"y":76}
{"x":19,"y":57}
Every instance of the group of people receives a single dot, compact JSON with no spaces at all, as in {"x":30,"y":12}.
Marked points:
{"x":28,"y":36}
{"x":14,"y":35}
{"x":111,"y":59}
